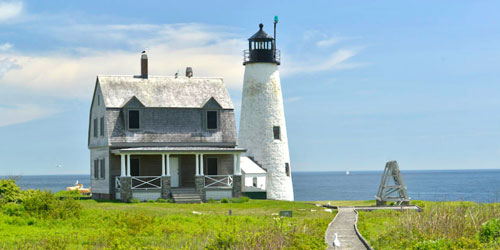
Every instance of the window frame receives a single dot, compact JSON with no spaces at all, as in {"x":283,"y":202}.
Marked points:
{"x":287,"y":169}
{"x":128,"y":119}
{"x":95,"y":174}
{"x":277,"y":134}
{"x":102,"y":169}
{"x":101,"y":126}
{"x":217,"y":120}
{"x":95,"y":128}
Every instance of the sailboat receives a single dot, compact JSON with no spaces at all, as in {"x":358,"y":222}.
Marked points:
{"x":347,"y":172}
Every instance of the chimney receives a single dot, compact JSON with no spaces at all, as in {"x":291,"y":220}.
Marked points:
{"x":144,"y":65}
{"x":189,"y":72}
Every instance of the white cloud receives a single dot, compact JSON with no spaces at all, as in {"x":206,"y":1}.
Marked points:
{"x":210,"y":51}
{"x":10,"y":10}
{"x":23,"y":113}
{"x":7,"y":64}
{"x":329,"y":42}
{"x":293,"y":99}
{"x":5,"y":47}
{"x":335,"y":61}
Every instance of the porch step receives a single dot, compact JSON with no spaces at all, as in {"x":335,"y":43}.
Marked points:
{"x":185,"y":195}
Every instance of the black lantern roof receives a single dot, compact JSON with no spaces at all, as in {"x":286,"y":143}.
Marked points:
{"x":261,"y":35}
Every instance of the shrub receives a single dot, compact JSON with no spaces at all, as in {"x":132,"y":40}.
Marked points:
{"x":46,"y":204}
{"x":211,"y":200}
{"x":134,"y":200}
{"x":240,"y":199}
{"x":224,"y":200}
{"x":9,"y":191}
{"x":160,"y":200}
{"x":151,"y":201}
{"x":73,"y":194}
{"x":490,"y":231}
{"x":170,"y":200}
{"x":13,"y":209}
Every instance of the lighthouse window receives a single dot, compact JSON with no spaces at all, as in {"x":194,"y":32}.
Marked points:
{"x":277,"y":132}
{"x":287,"y":169}
{"x":211,"y":119}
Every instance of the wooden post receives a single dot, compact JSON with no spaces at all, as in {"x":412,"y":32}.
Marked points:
{"x":202,"y":170}
{"x":128,"y":165}
{"x":168,"y":164}
{"x":162,"y":164}
{"x":197,"y":165}
{"x":122,"y":172}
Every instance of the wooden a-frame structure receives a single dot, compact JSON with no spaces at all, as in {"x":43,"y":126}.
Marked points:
{"x":392,"y":187}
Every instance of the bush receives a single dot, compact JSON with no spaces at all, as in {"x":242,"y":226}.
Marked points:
{"x":224,"y":200}
{"x":45,"y":204}
{"x":73,"y":194}
{"x":160,"y":200}
{"x":490,"y":231}
{"x":9,"y":191}
{"x":151,"y":201}
{"x":211,"y":200}
{"x":240,"y":199}
{"x":134,"y":200}
{"x":13,"y":209}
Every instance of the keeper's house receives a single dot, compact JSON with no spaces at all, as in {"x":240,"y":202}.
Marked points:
{"x":166,"y":137}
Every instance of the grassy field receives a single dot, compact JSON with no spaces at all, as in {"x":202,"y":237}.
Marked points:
{"x":441,"y":225}
{"x":114,"y":225}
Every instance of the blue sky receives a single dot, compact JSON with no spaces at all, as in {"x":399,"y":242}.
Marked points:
{"x":364,"y":82}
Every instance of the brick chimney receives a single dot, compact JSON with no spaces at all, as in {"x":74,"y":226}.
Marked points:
{"x":144,"y":65}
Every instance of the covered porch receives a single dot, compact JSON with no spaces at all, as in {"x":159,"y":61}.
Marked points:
{"x":149,"y":173}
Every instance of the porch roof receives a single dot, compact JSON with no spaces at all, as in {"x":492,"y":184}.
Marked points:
{"x":156,"y":150}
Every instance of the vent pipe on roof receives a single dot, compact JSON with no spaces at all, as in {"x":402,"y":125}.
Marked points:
{"x":189,"y":72}
{"x":144,"y":65}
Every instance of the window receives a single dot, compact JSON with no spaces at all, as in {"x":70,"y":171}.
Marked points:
{"x":254,"y":180}
{"x":102,"y":126}
{"x":212,"y":166}
{"x":287,"y":169}
{"x":96,"y":169}
{"x":133,"y":119}
{"x":135,"y":167}
{"x":103,"y":169}
{"x":95,"y":127}
{"x":277,"y":132}
{"x":212,"y":120}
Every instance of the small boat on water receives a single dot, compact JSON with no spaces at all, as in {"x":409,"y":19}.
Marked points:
{"x":347,"y":172}
{"x":79,"y":187}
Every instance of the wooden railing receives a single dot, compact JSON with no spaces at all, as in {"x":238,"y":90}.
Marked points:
{"x":218,"y":181}
{"x":118,"y":184}
{"x":146,"y":182}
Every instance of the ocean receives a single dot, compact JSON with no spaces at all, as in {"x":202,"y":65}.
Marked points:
{"x":431,"y":185}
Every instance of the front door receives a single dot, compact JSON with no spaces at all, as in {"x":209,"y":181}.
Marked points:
{"x":174,"y":172}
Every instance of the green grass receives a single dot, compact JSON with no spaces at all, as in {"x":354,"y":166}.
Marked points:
{"x":346,"y":203}
{"x":115,"y":225}
{"x":441,"y":225}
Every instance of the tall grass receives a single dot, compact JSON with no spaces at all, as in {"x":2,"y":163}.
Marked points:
{"x":441,"y":225}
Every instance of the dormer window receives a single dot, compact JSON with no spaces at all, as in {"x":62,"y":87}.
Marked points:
{"x":134,"y":119}
{"x":212,"y":120}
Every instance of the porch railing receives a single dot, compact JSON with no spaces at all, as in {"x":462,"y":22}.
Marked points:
{"x":118,"y":184}
{"x":218,"y":181}
{"x":146,"y":182}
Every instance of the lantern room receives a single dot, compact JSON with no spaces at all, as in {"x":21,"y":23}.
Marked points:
{"x":261,"y":48}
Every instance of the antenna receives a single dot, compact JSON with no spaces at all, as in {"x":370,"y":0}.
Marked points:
{"x":274,"y":44}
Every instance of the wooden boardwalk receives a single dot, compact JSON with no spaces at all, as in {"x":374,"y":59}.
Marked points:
{"x":343,"y":225}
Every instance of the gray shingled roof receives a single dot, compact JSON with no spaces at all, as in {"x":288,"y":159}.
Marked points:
{"x":164,"y":91}
{"x":177,"y":149}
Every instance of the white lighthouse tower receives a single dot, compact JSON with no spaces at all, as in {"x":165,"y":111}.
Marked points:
{"x":262,"y":124}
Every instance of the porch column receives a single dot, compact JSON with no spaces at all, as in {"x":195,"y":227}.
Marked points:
{"x":236,"y":164}
{"x":128,"y":164}
{"x":168,"y":164}
{"x":122,"y":173}
{"x":197,"y":165}
{"x":202,"y":170}
{"x":162,"y":164}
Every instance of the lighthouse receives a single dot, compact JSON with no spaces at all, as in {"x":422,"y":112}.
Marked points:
{"x":262,"y":124}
